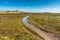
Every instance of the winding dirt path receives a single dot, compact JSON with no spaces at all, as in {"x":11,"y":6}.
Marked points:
{"x":39,"y":32}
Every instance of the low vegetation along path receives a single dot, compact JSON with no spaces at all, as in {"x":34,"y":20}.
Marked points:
{"x":39,"y":32}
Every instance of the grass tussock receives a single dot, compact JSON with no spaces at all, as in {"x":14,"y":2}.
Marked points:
{"x":11,"y":28}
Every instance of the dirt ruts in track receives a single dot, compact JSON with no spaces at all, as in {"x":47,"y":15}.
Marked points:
{"x":37,"y":30}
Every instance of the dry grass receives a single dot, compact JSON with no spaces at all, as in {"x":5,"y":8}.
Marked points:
{"x":48,"y":23}
{"x":11,"y":28}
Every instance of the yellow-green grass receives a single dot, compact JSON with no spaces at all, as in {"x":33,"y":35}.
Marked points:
{"x":11,"y":28}
{"x":48,"y":23}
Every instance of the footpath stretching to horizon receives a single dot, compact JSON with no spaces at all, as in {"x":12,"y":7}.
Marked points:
{"x":37,"y":30}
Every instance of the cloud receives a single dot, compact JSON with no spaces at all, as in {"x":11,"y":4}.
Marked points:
{"x":6,"y":2}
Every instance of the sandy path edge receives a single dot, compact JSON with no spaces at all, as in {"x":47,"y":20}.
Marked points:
{"x":39,"y":32}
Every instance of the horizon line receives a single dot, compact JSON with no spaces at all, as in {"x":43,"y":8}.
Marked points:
{"x":28,"y":11}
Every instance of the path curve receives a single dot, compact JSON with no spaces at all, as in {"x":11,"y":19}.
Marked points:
{"x":39,"y":32}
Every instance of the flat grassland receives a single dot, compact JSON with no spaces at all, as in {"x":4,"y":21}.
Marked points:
{"x":49,"y":23}
{"x":12,"y":28}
